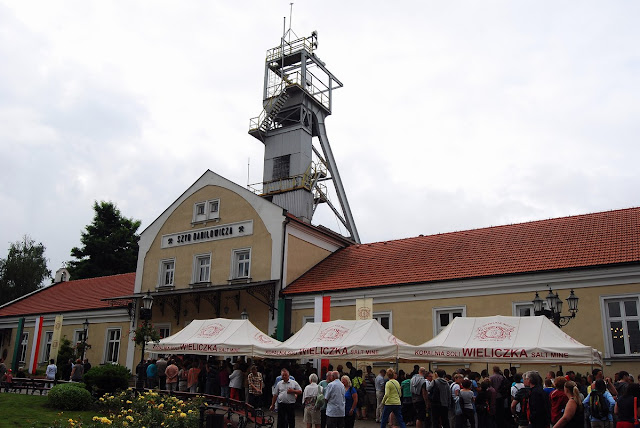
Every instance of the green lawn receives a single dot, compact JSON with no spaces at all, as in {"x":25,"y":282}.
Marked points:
{"x":20,"y":410}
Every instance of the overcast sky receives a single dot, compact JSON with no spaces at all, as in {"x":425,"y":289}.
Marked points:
{"x":454,"y":114}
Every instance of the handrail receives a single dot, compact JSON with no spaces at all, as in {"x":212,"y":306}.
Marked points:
{"x":304,"y":43}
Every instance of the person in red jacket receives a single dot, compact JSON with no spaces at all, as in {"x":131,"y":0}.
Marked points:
{"x":558,"y":400}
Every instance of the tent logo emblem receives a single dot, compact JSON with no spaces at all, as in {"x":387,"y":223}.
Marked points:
{"x":364,"y":313}
{"x":333,"y":333}
{"x":495,"y":331}
{"x":210,"y":331}
{"x":262,"y":338}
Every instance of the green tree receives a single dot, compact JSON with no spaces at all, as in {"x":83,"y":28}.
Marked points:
{"x":24,"y":270}
{"x":109,"y":244}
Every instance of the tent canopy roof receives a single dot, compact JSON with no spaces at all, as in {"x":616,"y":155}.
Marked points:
{"x":532,"y":340}
{"x":365,"y":339}
{"x":218,"y":336}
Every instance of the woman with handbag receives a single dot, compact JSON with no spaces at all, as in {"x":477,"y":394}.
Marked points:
{"x":391,"y":401}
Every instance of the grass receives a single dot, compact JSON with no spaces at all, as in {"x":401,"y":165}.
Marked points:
{"x":21,"y":410}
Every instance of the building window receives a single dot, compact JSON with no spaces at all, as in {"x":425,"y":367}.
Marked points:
{"x":164,"y":330}
{"x":206,"y":210}
{"x":384,"y":318}
{"x":167,"y":270}
{"x":113,"y":345}
{"x":46,"y":349}
{"x":77,"y":336}
{"x":241,"y":263}
{"x":442,"y":317}
{"x":22,"y":354}
{"x":623,"y":326}
{"x":525,"y":309}
{"x":308,"y":318}
{"x":281,"y":167}
{"x":214,"y":209}
{"x":202,"y":268}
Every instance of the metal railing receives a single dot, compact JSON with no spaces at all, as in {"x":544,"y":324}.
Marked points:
{"x":304,"y":43}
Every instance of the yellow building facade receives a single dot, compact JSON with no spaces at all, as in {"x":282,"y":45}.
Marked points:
{"x":594,"y":255}
{"x":222,"y":251}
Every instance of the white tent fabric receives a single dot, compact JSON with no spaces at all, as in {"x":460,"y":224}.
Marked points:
{"x":525,"y":340}
{"x":218,"y":336}
{"x":365,"y":339}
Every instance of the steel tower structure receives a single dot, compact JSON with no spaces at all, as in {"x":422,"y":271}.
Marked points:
{"x":297,"y":97}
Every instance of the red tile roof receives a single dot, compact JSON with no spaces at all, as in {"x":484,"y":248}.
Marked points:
{"x":82,"y":294}
{"x":589,"y":240}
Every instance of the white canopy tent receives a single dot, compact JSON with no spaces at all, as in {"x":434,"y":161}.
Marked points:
{"x":365,"y":339}
{"x":218,"y":336}
{"x":496,"y":339}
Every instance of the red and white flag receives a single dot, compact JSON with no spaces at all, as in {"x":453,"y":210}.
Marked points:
{"x":35,"y":348}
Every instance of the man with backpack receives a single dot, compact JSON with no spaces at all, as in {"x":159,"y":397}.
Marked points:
{"x":439,"y":397}
{"x":599,"y":406}
{"x":420,"y":398}
{"x":539,"y":407}
{"x":503,"y":390}
{"x":520,"y":404}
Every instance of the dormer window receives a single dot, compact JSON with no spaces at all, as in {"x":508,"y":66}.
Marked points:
{"x":214,"y":209}
{"x":206,"y":210}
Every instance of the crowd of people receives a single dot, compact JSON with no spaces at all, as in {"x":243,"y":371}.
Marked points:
{"x":422,"y":398}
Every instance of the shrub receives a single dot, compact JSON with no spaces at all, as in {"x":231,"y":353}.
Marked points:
{"x":107,"y":379}
{"x":69,"y":396}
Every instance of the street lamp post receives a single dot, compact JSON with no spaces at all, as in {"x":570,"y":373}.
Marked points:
{"x":145,"y":316}
{"x":244,"y":315}
{"x":85,"y":324}
{"x":554,"y":305}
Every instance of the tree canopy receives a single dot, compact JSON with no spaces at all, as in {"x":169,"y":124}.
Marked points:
{"x":109,"y":244}
{"x":24,"y":270}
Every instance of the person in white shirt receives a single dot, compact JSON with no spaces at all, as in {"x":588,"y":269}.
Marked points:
{"x":309,"y":397}
{"x":286,"y":392}
{"x":52,"y":369}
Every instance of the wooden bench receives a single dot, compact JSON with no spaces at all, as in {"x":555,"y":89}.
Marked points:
{"x":27,"y":384}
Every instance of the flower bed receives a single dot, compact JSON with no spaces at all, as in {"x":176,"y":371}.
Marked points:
{"x":150,"y":409}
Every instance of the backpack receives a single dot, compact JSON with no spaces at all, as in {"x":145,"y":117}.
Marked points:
{"x":525,"y":410}
{"x":320,"y":401}
{"x":505,"y":387}
{"x":434,"y":394}
{"x":416,"y":384}
{"x":598,"y":405}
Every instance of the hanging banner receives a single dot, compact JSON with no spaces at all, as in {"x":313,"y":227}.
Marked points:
{"x":35,"y":347}
{"x":364,"y":308}
{"x":55,"y":340}
{"x":322,"y":313}
{"x":17,"y":346}
{"x":364,"y":311}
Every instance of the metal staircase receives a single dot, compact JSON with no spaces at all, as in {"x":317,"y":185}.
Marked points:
{"x":272,"y":110}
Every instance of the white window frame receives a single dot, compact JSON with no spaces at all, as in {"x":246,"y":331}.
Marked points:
{"x":208,"y":213}
{"x":606,"y":320}
{"x":515,"y":306}
{"x":235,"y":263}
{"x":77,"y":334}
{"x":164,"y":326}
{"x":108,"y":352}
{"x":435,"y":316}
{"x":196,"y":268}
{"x":24,"y":345}
{"x":47,"y":338}
{"x":211,"y":213}
{"x":382,"y":314}
{"x":163,"y":271}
